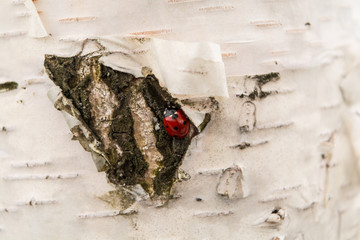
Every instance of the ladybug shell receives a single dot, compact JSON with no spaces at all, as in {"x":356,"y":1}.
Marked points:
{"x":176,"y":123}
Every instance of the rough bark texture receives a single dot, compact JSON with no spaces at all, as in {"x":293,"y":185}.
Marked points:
{"x":108,"y":102}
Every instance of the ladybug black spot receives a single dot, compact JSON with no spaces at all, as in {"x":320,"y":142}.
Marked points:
{"x":184,"y":122}
{"x":167,"y":126}
{"x":275,"y":211}
{"x":176,"y":128}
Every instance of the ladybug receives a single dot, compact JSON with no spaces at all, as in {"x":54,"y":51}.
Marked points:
{"x":176,"y":123}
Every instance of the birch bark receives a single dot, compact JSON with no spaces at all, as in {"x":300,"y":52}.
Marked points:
{"x":278,"y":160}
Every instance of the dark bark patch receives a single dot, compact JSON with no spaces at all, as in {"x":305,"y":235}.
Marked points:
{"x":8,"y":86}
{"x":126,"y":167}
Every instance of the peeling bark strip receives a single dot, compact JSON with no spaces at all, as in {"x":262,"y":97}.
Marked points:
{"x":230,"y":183}
{"x":119,"y":119}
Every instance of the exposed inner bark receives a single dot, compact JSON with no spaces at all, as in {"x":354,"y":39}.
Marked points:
{"x":124,"y":115}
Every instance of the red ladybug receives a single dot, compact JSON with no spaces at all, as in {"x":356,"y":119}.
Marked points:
{"x":176,"y":123}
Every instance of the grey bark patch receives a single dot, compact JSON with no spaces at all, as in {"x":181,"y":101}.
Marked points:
{"x":107,"y":116}
{"x":119,"y":199}
{"x":247,"y":118}
{"x":230,"y":183}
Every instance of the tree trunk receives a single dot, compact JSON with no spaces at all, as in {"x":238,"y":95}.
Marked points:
{"x":279,"y":159}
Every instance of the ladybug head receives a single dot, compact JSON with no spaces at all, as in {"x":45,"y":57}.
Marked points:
{"x":170,"y":112}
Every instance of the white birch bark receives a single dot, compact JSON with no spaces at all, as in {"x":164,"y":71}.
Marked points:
{"x":294,"y":175}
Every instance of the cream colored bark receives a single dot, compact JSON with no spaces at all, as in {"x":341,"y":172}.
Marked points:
{"x":284,"y":166}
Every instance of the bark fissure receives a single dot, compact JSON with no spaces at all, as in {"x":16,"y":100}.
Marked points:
{"x":124,"y":116}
